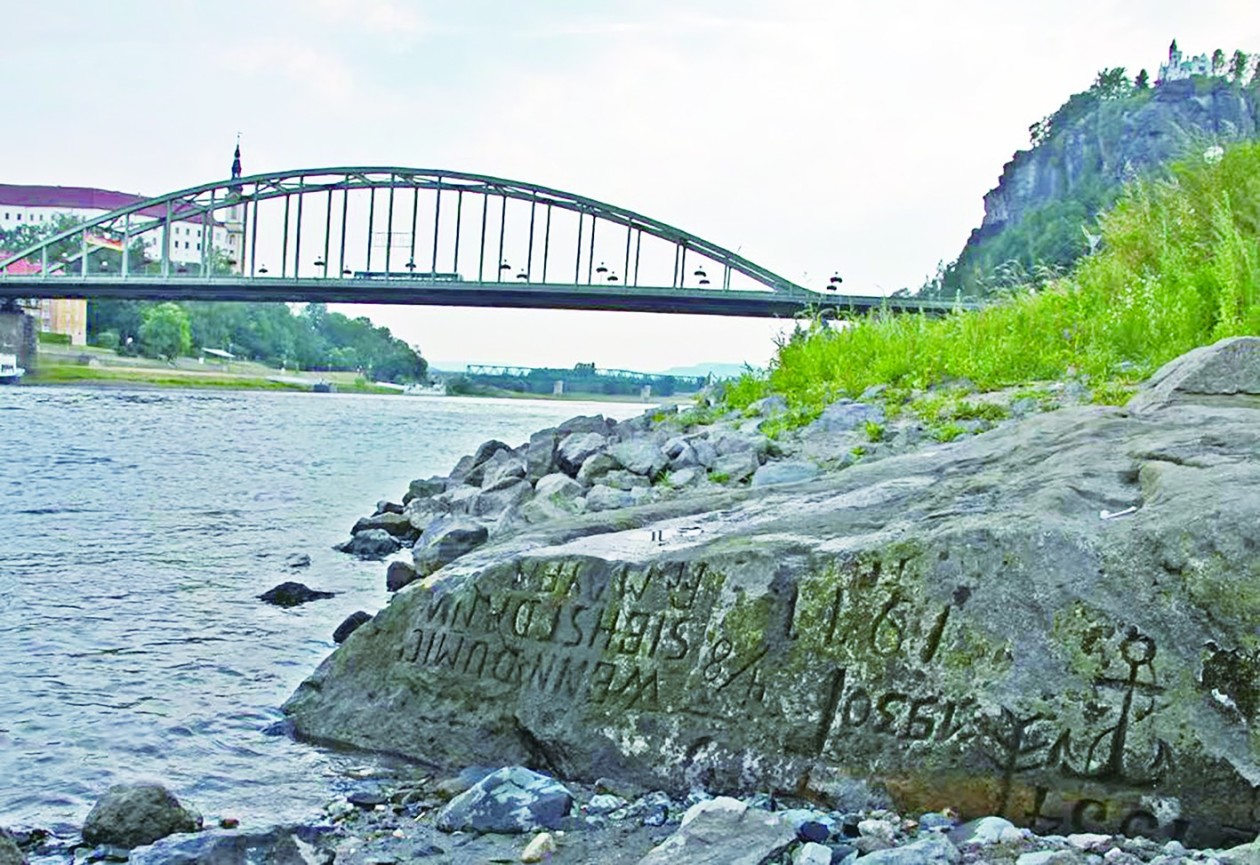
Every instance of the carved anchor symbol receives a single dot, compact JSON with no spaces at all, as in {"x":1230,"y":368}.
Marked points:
{"x":1105,"y":758}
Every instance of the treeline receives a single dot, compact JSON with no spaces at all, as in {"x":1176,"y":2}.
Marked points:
{"x":313,"y":339}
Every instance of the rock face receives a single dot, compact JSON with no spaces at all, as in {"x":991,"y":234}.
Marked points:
{"x":1054,"y":622}
{"x":10,"y":853}
{"x":130,"y":815}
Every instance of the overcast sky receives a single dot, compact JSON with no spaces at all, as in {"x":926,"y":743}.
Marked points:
{"x":811,"y":135}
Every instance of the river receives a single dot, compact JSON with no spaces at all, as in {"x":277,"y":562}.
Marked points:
{"x":137,"y":528}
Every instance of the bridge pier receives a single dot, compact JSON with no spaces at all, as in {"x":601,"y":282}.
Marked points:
{"x":18,"y":335}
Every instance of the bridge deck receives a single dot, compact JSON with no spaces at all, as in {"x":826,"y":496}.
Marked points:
{"x":703,"y":301}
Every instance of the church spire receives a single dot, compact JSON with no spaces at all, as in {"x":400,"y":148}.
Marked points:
{"x":236,"y":160}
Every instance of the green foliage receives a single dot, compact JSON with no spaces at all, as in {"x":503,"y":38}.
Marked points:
{"x":1238,"y":66}
{"x":107,"y":339}
{"x":54,"y":338}
{"x":165,"y":331}
{"x":1142,"y":81}
{"x":314,"y":339}
{"x":874,"y":431}
{"x":1179,"y":267}
{"x":947,"y":432}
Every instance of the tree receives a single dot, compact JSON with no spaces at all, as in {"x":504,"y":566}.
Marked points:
{"x":1218,"y":62}
{"x":1143,"y":80}
{"x":1255,"y":74}
{"x":166,"y":331}
{"x":1238,"y":66}
{"x":1112,"y":83}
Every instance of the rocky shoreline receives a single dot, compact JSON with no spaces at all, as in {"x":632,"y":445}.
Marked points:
{"x":584,"y":491}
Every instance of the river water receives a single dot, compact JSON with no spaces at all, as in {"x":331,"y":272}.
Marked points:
{"x":137,"y":528}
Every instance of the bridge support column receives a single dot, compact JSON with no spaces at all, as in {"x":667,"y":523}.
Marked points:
{"x":18,"y":335}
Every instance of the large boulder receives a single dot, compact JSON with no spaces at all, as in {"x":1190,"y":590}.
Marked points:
{"x":845,"y":415}
{"x":349,"y":625}
{"x":595,"y":467}
{"x":493,"y":503}
{"x":1054,"y":622}
{"x":399,"y":574}
{"x":510,"y":800}
{"x":129,"y":815}
{"x":502,"y":470}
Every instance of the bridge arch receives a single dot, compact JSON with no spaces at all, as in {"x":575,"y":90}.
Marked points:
{"x":237,"y":203}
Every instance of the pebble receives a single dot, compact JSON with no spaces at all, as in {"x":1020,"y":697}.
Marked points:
{"x":539,"y":848}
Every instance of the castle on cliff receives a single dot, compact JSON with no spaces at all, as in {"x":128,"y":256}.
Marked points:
{"x":1179,"y":67}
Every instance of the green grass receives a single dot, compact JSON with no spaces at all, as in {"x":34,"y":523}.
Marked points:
{"x":1179,"y":267}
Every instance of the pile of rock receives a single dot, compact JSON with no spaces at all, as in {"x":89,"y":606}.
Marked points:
{"x":585,"y":465}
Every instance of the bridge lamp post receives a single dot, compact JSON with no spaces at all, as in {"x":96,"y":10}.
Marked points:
{"x":262,"y":270}
{"x":602,"y":271}
{"x":702,"y":276}
{"x":323,"y":265}
{"x":612,"y":277}
{"x":345,"y":271}
{"x":504,"y":268}
{"x":411,"y":267}
{"x":523,"y":276}
{"x":834,"y":283}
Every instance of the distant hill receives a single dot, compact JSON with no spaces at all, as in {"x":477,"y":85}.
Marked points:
{"x":1040,"y":217}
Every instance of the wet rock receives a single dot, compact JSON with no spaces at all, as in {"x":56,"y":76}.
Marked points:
{"x":399,"y":574}
{"x":350,"y":625}
{"x":576,"y":448}
{"x":373,"y":544}
{"x":423,"y":488}
{"x":280,"y":845}
{"x":292,"y":594}
{"x":686,"y":477}
{"x":723,"y":831}
{"x":446,"y":541}
{"x":297,"y":560}
{"x":384,"y":506}
{"x":510,"y":800}
{"x":396,"y":524}
{"x":130,"y":815}
{"x":785,"y":472}
{"x":681,"y":454}
{"x":457,"y":499}
{"x":10,"y":853}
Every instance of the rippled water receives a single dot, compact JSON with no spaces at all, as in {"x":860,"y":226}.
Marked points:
{"x":137,"y":529}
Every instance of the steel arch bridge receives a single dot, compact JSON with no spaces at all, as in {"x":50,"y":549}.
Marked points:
{"x":405,"y":236}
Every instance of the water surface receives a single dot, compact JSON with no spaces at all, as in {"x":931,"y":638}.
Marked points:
{"x":137,"y":528}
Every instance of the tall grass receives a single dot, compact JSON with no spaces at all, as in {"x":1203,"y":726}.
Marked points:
{"x":1179,"y":267}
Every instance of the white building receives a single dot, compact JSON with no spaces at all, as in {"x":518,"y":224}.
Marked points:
{"x":40,"y":205}
{"x":1179,"y":67}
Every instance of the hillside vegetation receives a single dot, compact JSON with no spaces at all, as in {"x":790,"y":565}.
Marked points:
{"x":1040,"y":218}
{"x":1178,"y":266}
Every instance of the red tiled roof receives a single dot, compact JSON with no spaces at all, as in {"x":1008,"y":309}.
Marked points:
{"x":24,"y":267}
{"x":76,"y":197}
